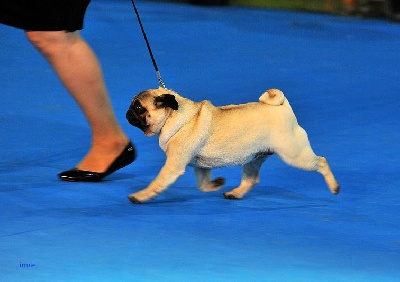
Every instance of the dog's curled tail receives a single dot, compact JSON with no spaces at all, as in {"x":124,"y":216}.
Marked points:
{"x":273,"y":97}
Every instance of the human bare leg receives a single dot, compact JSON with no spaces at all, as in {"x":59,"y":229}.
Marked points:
{"x":79,"y":70}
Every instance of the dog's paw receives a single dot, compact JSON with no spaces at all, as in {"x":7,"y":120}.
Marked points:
{"x":218,"y":182}
{"x":142,"y":196}
{"x":214,"y":185}
{"x":231,"y":196}
{"x":134,"y":200}
{"x":335,"y":190}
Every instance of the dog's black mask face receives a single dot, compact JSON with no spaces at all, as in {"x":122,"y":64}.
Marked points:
{"x":136,"y":115}
{"x":151,"y":118}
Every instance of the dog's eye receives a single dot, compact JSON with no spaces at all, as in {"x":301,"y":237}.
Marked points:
{"x":137,"y":107}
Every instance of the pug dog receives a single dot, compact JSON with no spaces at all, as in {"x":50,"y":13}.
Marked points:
{"x":204,"y":136}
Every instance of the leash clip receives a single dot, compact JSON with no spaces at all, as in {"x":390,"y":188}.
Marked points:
{"x":162,"y":84}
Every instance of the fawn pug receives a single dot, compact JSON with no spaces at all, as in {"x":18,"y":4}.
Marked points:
{"x":204,"y":136}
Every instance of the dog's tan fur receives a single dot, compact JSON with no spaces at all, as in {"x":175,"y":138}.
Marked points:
{"x":205,"y":136}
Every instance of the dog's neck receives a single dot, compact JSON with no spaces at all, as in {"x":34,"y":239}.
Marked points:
{"x":177,"y":119}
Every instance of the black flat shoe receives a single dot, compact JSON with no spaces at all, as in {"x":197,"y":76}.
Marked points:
{"x":127,"y":156}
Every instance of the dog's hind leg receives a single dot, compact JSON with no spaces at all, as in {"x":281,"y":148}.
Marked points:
{"x":297,"y":152}
{"x":325,"y":170}
{"x":250,"y":177}
{"x":204,"y":182}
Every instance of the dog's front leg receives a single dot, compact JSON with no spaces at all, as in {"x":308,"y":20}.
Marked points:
{"x":167,"y":175}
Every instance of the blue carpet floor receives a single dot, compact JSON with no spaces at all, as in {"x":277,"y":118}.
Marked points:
{"x":341,"y":76}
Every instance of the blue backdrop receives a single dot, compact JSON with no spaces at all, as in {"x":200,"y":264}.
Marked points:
{"x":341,"y":76}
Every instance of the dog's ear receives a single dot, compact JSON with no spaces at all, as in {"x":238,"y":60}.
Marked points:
{"x":166,"y":100}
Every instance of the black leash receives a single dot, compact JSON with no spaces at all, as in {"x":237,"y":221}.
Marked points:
{"x":148,"y":46}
